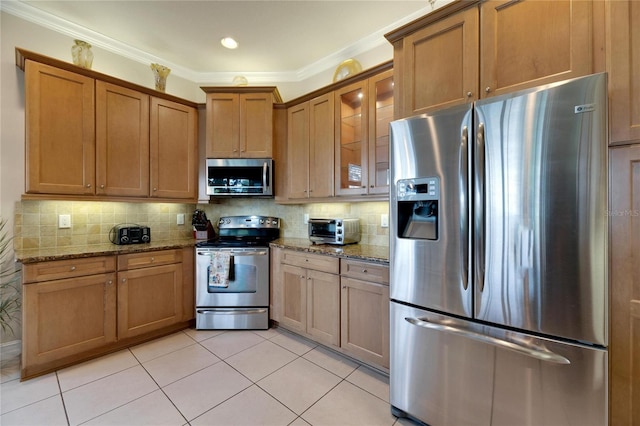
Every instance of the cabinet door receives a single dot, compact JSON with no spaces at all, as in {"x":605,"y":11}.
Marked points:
{"x":60,"y":131}
{"x":223,"y":125}
{"x":298,"y":151}
{"x":122,"y":141}
{"x":380,"y":115}
{"x":149,"y":299}
{"x":351,"y":139}
{"x":440,"y":64}
{"x":66,"y":317}
{"x":293,"y":307}
{"x":321,"y":146}
{"x":256,"y":125}
{"x":624,"y":85}
{"x":365,"y":320}
{"x":323,"y":307}
{"x":624,"y":245}
{"x":529,"y":43}
{"x":173,"y":150}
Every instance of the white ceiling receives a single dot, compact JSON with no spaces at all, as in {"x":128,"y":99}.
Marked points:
{"x":277,"y":38}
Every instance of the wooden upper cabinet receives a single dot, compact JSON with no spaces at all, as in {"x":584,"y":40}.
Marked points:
{"x":321,"y":146}
{"x":439,"y":64}
{"x":60,"y":131}
{"x":310,"y":148}
{"x":298,"y":151}
{"x":122,"y":141}
{"x":624,"y":68}
{"x":173,"y":150}
{"x":470,"y":50}
{"x":240,"y":123}
{"x":529,"y":43}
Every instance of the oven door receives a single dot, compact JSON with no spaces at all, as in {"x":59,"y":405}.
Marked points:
{"x":248,"y":278}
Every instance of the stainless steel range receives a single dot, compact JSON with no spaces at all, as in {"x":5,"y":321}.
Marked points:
{"x":232,"y":274}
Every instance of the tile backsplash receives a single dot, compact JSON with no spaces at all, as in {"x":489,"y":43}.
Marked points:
{"x":36,"y":222}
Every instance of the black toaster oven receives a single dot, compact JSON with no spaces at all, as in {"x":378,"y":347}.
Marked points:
{"x":130,"y":234}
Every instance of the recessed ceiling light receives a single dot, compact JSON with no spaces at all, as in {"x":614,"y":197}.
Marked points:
{"x":229,"y":43}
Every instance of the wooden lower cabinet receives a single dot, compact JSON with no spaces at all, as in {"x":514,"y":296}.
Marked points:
{"x":63,"y":318}
{"x":149,"y":299}
{"x":310,"y":301}
{"x":365,"y":311}
{"x":341,"y":303}
{"x":624,"y":270}
{"x":75,"y":309}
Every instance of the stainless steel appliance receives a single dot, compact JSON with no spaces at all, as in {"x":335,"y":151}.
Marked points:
{"x":242,"y":300}
{"x":242,"y":177}
{"x":338,"y":231}
{"x":498,"y":260}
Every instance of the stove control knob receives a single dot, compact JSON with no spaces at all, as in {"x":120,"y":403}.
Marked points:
{"x":221,"y":221}
{"x":228,"y":221}
{"x":261,"y":221}
{"x":274,"y":222}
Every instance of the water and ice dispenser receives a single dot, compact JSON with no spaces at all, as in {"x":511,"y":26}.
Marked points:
{"x":418,"y":208}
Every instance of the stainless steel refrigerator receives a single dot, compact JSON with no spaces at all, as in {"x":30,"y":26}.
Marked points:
{"x":498,"y":259}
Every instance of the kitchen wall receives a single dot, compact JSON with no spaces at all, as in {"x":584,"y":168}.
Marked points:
{"x":36,"y":222}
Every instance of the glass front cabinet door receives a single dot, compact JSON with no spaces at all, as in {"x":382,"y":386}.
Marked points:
{"x":363,"y":112}
{"x":380,"y":115}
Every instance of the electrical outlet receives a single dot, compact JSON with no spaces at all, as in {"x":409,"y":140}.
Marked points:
{"x":384,"y":220}
{"x":180,"y":219}
{"x":64,"y":221}
{"x":306,"y":218}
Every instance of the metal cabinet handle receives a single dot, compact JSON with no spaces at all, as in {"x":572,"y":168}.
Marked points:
{"x":73,"y":268}
{"x":88,"y":185}
{"x":364,"y":271}
{"x":109,"y":282}
{"x":155,"y":189}
{"x":153,"y":259}
{"x":469,"y":94}
{"x":102,"y":186}
{"x":541,"y":354}
{"x":124,"y":280}
{"x":487,"y":89}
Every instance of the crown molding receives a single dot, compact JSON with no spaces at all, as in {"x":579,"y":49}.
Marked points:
{"x":63,"y":26}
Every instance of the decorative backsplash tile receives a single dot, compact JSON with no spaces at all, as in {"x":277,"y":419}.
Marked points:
{"x":36,"y":222}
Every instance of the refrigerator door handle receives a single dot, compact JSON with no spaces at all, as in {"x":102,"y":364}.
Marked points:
{"x":464,"y":219}
{"x":540,"y":354}
{"x":480,"y":200}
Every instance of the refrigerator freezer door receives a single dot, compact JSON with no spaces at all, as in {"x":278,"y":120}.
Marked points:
{"x":448,"y":371}
{"x":429,"y":199}
{"x":540,"y":203}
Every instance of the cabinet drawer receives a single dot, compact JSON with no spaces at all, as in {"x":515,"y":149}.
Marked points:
{"x":149,"y":258}
{"x":367,"y":271}
{"x":311,"y":261}
{"x":68,"y":268}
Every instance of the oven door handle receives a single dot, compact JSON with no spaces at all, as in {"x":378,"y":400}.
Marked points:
{"x":237,"y":253}
{"x":230,"y":311}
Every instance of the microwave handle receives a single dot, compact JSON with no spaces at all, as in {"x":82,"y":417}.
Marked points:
{"x":265,"y":175}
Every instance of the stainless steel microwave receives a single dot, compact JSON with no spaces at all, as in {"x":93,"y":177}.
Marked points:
{"x":242,"y":177}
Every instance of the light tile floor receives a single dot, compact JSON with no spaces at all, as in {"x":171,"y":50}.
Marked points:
{"x":193,"y":377}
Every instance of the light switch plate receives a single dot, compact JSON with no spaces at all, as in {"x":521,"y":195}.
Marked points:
{"x":306,"y":218}
{"x":64,"y":221}
{"x":384,"y":220}
{"x":180,"y":219}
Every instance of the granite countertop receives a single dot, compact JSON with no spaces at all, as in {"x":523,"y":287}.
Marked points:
{"x":60,"y":253}
{"x":350,"y":251}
